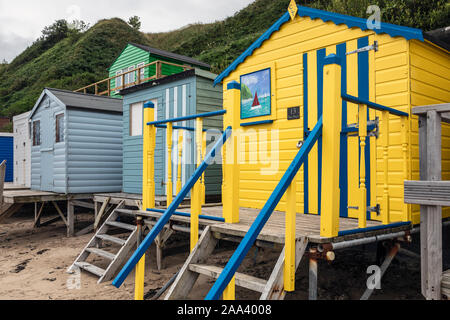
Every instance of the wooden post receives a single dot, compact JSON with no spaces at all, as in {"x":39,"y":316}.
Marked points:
{"x":96,"y":89}
{"x":196,"y":201}
{"x":123,"y":81}
{"x":109,"y":87}
{"x":229,"y":293}
{"x":332,"y":106}
{"x":362,"y":210}
{"x":140,"y":266}
{"x":404,"y":135}
{"x":203,"y":175}
{"x":158,"y":69}
{"x":169,"y":185}
{"x":289,"y":252}
{"x":148,"y":170}
{"x":70,"y":219}
{"x":180,"y":159}
{"x":230,"y":188}
{"x":431,"y":229}
{"x":385,"y":142}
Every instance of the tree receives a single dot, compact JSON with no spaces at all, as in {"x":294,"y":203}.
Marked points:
{"x":135,"y":22}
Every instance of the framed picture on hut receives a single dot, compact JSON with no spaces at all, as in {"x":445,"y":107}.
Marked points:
{"x":256,"y":94}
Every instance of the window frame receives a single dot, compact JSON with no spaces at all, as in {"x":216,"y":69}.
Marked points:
{"x":57,"y":128}
{"x":130,"y":129}
{"x":36,"y":138}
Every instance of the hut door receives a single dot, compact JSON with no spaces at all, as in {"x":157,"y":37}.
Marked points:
{"x":355,"y":81}
{"x":47,"y":141}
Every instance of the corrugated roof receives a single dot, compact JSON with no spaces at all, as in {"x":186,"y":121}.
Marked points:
{"x":87,"y":101}
{"x":171,"y":55}
{"x":336,"y":18}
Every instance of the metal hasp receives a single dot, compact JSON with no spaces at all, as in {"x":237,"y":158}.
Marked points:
{"x":364,"y":49}
{"x":170,"y":211}
{"x":249,"y":239}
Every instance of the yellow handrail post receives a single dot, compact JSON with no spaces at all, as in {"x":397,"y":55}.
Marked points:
{"x":289,"y":247}
{"x":229,"y":293}
{"x":140,"y":266}
{"x":169,"y":185}
{"x":230,"y":188}
{"x":362,"y":207}
{"x":332,"y":120}
{"x":385,"y":142}
{"x":180,"y":159}
{"x":203,"y":175}
{"x":404,"y":133}
{"x":148,"y":187}
{"x":196,"y":202}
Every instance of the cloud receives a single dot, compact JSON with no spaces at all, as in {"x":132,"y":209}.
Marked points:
{"x":21,"y":22}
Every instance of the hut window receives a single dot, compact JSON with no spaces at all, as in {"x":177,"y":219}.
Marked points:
{"x":118,"y":79}
{"x":59,"y":128}
{"x":136,"y":119}
{"x":141,"y":71}
{"x":129,"y":77}
{"x":36,"y":133}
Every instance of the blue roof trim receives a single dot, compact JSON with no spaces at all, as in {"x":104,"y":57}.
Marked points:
{"x":266,"y":35}
{"x":391,"y":29}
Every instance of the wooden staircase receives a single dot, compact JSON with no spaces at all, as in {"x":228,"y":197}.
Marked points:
{"x":271,"y":289}
{"x":104,"y":234}
{"x":445,"y":287}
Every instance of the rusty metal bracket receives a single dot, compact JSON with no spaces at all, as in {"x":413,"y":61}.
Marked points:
{"x":322,"y":252}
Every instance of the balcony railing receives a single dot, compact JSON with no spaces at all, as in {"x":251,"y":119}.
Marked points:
{"x":109,"y":86}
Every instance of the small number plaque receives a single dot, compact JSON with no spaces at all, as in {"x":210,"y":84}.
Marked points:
{"x":293,"y":113}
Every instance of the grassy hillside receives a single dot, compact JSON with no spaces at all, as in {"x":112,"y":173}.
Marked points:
{"x":71,"y":63}
{"x":82,"y":58}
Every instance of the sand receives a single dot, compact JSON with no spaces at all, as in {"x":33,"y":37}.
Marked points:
{"x":33,"y":263}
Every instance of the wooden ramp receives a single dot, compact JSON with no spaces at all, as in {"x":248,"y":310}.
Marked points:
{"x":103,"y":234}
{"x":270,"y":289}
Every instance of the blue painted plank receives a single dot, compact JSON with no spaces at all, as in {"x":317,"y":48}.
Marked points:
{"x":250,"y":238}
{"x":137,"y":255}
{"x":381,"y":227}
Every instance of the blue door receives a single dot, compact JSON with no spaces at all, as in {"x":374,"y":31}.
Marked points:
{"x":47,"y":149}
{"x":7,"y":153}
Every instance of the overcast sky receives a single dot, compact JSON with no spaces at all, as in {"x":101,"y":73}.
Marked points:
{"x":21,"y":21}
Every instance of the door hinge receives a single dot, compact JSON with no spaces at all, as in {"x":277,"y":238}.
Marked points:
{"x":369,"y":209}
{"x":364,"y":49}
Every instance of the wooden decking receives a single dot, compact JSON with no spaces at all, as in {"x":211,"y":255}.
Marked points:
{"x":307,"y":226}
{"x":15,"y":195}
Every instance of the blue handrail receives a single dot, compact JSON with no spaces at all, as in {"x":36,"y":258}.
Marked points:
{"x":191,"y":117}
{"x":373,"y":105}
{"x":145,"y":244}
{"x":250,"y":238}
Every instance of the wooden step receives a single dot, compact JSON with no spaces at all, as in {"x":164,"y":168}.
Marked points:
{"x":101,"y":253}
{"x":90,"y":268}
{"x":242,"y":280}
{"x":121,"y":225}
{"x":126,"y":212}
{"x":112,"y":239}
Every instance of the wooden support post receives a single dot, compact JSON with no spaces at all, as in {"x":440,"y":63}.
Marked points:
{"x":148,"y":170}
{"x":230,"y":188}
{"x":140,"y":267}
{"x":312,"y":274}
{"x":385,"y":216}
{"x":229,"y":293}
{"x":70,"y":219}
{"x":404,"y":135}
{"x":332,"y":106}
{"x":196,"y":202}
{"x":158,"y":69}
{"x":431,"y":228}
{"x":180,"y":160}
{"x":362,"y":206}
{"x":38,"y":214}
{"x":203,"y":175}
{"x":289,"y":252}
{"x":169,"y":185}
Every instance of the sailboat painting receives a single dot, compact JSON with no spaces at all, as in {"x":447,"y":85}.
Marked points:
{"x":256,"y":94}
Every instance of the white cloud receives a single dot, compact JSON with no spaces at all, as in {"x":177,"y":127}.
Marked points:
{"x":21,"y":21}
